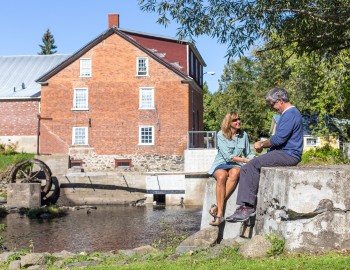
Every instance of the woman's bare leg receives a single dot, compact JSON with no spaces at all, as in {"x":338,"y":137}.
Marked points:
{"x":232,"y":180}
{"x":221,"y":177}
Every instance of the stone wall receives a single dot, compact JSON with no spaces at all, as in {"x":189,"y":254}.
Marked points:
{"x":140,"y":163}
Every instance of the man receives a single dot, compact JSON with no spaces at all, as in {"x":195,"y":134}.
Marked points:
{"x":286,"y":147}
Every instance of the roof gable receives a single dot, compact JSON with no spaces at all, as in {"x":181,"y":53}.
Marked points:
{"x":99,"y":39}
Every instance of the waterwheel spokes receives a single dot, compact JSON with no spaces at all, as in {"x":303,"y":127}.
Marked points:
{"x":32,"y":171}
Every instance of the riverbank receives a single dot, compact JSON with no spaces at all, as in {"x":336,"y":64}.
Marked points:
{"x":221,"y":256}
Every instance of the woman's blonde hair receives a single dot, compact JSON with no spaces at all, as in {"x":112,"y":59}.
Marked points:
{"x":226,"y":124}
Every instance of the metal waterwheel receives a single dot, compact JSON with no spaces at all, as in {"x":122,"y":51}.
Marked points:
{"x":32,"y":171}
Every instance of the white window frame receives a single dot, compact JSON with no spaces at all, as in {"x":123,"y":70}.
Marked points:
{"x":85,"y":68}
{"x":141,"y":130}
{"x":83,"y":107}
{"x":85,"y":138}
{"x":146,"y":98}
{"x":316,"y":139}
{"x":138,"y":67}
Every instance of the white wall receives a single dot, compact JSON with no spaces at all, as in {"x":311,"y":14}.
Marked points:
{"x":199,"y":160}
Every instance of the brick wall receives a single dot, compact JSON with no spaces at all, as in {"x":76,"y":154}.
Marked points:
{"x":18,"y":117}
{"x":114,"y":112}
{"x":173,"y":50}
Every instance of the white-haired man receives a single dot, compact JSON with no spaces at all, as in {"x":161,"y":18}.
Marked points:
{"x":286,"y":147}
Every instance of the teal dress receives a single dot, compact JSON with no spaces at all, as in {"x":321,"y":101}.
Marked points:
{"x":227,"y":149}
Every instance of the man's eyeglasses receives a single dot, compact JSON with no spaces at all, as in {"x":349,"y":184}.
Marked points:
{"x":236,"y":119}
{"x":272,"y":103}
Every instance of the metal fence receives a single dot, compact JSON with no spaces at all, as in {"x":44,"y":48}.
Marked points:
{"x":201,"y":140}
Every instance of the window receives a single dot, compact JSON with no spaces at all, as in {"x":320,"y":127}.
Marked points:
{"x":75,"y":163}
{"x":126,"y":163}
{"x":312,"y":141}
{"x":85,"y":67}
{"x":80,"y":136}
{"x":146,"y":135}
{"x":191,"y":64}
{"x":142,"y":66}
{"x":146,"y":98}
{"x":80,"y":101}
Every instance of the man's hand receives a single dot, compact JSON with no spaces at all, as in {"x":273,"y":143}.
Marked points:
{"x":258,"y":146}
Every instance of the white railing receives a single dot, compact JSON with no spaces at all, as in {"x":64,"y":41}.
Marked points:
{"x":201,"y":140}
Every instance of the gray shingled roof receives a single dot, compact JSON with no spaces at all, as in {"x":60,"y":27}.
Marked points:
{"x":18,"y":74}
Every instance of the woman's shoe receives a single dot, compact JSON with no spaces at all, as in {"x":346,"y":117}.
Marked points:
{"x":217,"y":221}
{"x":213,"y":210}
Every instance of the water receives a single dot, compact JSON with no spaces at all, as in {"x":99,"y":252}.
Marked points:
{"x":103,"y":229}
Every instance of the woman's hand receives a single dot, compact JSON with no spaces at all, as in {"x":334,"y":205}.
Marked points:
{"x":241,"y":159}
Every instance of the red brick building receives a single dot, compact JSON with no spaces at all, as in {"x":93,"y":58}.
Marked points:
{"x":20,"y":98}
{"x":125,"y":95}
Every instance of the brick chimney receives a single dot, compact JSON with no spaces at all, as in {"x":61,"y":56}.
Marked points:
{"x":113,"y":20}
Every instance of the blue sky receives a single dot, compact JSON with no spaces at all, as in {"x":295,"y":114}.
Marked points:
{"x":74,"y":23}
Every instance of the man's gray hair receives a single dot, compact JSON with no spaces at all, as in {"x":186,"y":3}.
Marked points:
{"x":275,"y":94}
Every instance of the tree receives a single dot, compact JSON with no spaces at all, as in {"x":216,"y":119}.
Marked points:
{"x":321,"y":26}
{"x":241,"y":89}
{"x":209,"y":112}
{"x":49,"y":44}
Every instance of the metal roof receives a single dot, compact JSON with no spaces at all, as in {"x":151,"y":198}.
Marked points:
{"x":18,"y":74}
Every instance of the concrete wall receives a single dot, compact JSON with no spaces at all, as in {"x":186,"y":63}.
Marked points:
{"x":101,"y":188}
{"x":199,"y":160}
{"x":113,"y":187}
{"x":308,"y":206}
{"x":227,"y":230}
{"x":27,"y":144}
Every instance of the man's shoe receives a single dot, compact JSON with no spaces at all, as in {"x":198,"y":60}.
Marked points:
{"x":242,"y":213}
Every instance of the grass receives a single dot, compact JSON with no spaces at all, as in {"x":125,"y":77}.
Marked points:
{"x":7,"y":160}
{"x":228,"y":258}
{"x":52,"y":211}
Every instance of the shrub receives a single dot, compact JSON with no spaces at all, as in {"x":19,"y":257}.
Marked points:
{"x":8,"y":149}
{"x":325,"y":155}
{"x":277,"y":245}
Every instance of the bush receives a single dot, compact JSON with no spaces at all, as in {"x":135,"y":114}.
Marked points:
{"x":8,"y":149}
{"x":325,"y":155}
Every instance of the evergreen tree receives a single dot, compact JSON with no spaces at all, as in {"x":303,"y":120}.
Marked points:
{"x":49,"y":44}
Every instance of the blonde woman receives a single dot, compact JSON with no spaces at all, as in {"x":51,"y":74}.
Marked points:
{"x":233,"y":152}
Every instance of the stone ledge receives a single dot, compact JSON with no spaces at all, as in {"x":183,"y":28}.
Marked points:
{"x":308,"y":206}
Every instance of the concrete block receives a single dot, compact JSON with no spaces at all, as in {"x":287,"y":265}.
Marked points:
{"x":26,"y":195}
{"x":307,"y":206}
{"x":227,"y":230}
{"x":199,"y":160}
{"x":57,"y":163}
{"x":195,"y":189}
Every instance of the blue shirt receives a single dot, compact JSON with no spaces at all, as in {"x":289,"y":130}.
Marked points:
{"x":227,"y":149}
{"x":289,"y":133}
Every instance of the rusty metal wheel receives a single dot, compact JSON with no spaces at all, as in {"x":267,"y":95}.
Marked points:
{"x":32,"y":171}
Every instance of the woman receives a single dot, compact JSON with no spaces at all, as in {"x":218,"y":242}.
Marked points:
{"x":233,"y":152}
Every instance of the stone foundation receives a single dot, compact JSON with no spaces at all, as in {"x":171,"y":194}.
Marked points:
{"x":140,"y":163}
